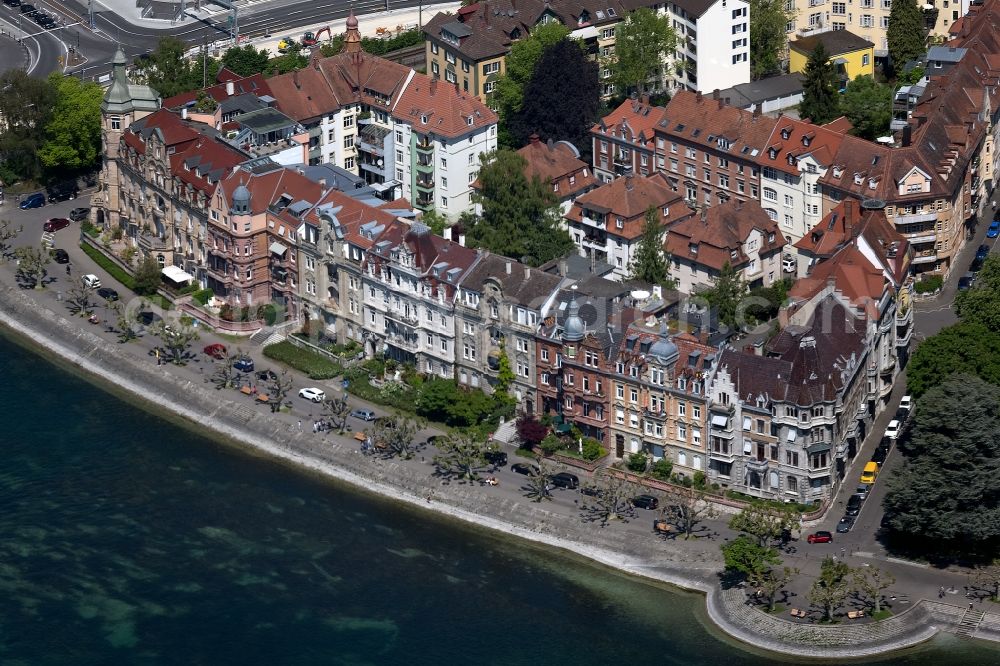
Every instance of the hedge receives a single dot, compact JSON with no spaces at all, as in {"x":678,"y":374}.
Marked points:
{"x":315,"y":365}
{"x":116,"y":271}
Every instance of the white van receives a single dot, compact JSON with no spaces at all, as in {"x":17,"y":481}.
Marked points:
{"x":92,"y":281}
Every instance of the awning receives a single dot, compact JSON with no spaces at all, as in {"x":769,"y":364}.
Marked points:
{"x":277,"y":248}
{"x":747,"y":447}
{"x":792,"y":434}
{"x":840,"y":61}
{"x":720,"y":421}
{"x":818,"y":448}
{"x":587,"y":32}
{"x":176,"y":274}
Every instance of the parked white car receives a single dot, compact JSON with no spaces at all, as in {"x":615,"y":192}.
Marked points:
{"x":892,"y":430}
{"x":92,"y":281}
{"x":906,"y":403}
{"x":314,"y":394}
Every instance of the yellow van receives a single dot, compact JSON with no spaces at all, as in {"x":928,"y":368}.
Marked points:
{"x":870,"y":472}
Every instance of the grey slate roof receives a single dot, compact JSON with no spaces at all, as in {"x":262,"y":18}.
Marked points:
{"x":746,"y":95}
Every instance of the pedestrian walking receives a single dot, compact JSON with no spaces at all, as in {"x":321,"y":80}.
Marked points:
{"x":300,"y":426}
{"x":941,"y":592}
{"x":69,"y":271}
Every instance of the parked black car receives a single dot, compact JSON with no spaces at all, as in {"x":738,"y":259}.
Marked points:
{"x":880,"y":455}
{"x":12,"y":3}
{"x":59,"y":256}
{"x":107,"y":294}
{"x":982,"y":252}
{"x":645,"y":502}
{"x":845,"y":524}
{"x":853,"y":505}
{"x":65,"y":191}
{"x":27,"y":8}
{"x":267,"y":375}
{"x":565,"y":480}
{"x":524,"y":468}
{"x":496,"y":458}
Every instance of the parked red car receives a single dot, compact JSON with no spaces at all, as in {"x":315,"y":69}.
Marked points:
{"x":55,"y":224}
{"x":216,"y":351}
{"x":821,"y":536}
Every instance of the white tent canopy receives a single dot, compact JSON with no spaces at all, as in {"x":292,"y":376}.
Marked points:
{"x":175,"y":274}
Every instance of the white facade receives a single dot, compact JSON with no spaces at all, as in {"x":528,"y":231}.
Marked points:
{"x":715,"y":46}
{"x":794,"y":202}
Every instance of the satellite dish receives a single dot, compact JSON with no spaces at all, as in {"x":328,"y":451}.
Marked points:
{"x":639,"y":295}
{"x":379,"y":163}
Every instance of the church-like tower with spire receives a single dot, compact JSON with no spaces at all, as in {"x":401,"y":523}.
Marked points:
{"x":123,"y":103}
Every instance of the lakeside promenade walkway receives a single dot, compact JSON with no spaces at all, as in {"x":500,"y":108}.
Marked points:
{"x":629,"y":546}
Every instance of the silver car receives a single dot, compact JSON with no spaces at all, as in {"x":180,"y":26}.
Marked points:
{"x":363,"y":414}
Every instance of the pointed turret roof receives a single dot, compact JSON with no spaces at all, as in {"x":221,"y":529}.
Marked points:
{"x":352,"y":40}
{"x":124,"y":96}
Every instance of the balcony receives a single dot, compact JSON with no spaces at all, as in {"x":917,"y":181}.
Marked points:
{"x":922,"y":238}
{"x":756,"y":465}
{"x":591,"y":222}
{"x":425,"y":183}
{"x":219,"y":273}
{"x":595,"y":241}
{"x":424,"y":146}
{"x":925,"y":258}
{"x":152,"y":243}
{"x":425,"y":163}
{"x":914,"y":219}
{"x":424,"y":200}
{"x":726,"y":457}
{"x":408,"y":318}
{"x":408,"y":342}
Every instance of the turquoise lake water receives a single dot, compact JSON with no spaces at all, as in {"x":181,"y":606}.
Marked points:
{"x":127,"y":539}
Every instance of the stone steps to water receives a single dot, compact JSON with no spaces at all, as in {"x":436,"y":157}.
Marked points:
{"x":970,"y":622}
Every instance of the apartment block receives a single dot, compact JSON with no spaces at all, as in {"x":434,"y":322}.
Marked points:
{"x":625,"y":140}
{"x":713,"y":44}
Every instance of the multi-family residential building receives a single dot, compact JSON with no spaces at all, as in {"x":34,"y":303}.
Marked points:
{"x":658,"y":400}
{"x":501,"y":304}
{"x":797,"y":155}
{"x":709,"y":150}
{"x":410,"y":281}
{"x":624,"y":140}
{"x":867,"y":19}
{"x":735,"y":233}
{"x":713,"y":44}
{"x":406,"y":133}
{"x":811,"y":379}
{"x":849,"y":55}
{"x":558,"y":163}
{"x":607,"y":223}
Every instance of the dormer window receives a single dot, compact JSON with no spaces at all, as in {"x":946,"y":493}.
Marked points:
{"x":871,"y":183}
{"x":770,"y":237}
{"x":838,"y":172}
{"x":806,"y":140}
{"x":786,"y":133}
{"x":772,"y":153}
{"x":858,"y":178}
{"x":791,"y":159}
{"x":693,"y":248}
{"x":469,"y":120}
{"x":423,"y":119}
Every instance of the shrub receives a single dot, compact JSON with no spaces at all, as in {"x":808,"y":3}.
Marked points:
{"x":88,"y":228}
{"x":530,"y":431}
{"x":929,"y":284}
{"x":662,"y":469}
{"x":699,"y":480}
{"x":203,"y":296}
{"x":315,"y":365}
{"x":113,"y":269}
{"x":592,"y":450}
{"x":637,"y":462}
{"x":552,"y":443}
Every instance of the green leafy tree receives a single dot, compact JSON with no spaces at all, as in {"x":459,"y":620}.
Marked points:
{"x":520,"y":66}
{"x":26,"y":105}
{"x":764,"y":523}
{"x":988,"y":578}
{"x":435,"y":221}
{"x":967,"y":347}
{"x":688,"y":508}
{"x":831,"y":588}
{"x":166,"y":70}
{"x":773,"y":581}
{"x":8,"y":232}
{"x":725,"y":294}
{"x":31,"y":265}
{"x":520,"y":216}
{"x":906,"y":34}
{"x":637,"y":462}
{"x":505,"y":379}
{"x":561,"y":100}
{"x":650,"y":264}
{"x":277,"y":389}
{"x":177,"y":338}
{"x":642,"y":42}
{"x":396,"y":436}
{"x":73,"y":133}
{"x":246,"y":60}
{"x":871,"y":581}
{"x":744,"y":556}
{"x":288,"y":62}
{"x":662,"y":469}
{"x":868,"y":105}
{"x":946,"y":493}
{"x":768,"y":39}
{"x":336,"y":411}
{"x":820,"y":101}
{"x":981,"y":303}
{"x":147,"y":277}
{"x":460,"y":457}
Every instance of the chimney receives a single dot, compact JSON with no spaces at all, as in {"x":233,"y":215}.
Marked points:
{"x":461,"y":240}
{"x":322,"y":183}
{"x":509,"y":268}
{"x":756,"y":111}
{"x":295,"y":80}
{"x":533,"y":139}
{"x":230,"y":88}
{"x":715,"y":94}
{"x":563,"y":268}
{"x":447,"y":233}
{"x":722,"y":103}
{"x":907,"y":135}
{"x":434,"y":85}
{"x":644,"y":99}
{"x":549,"y":143}
{"x":184,"y":113}
{"x":698,"y":96}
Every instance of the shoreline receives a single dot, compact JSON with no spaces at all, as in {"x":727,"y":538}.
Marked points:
{"x":123,"y":373}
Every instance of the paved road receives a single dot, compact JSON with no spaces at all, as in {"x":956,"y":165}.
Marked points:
{"x":44,"y":47}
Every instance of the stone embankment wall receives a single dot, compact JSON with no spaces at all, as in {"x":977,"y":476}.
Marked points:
{"x":693,"y":567}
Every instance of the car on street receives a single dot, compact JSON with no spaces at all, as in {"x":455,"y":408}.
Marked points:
{"x":862,"y":491}
{"x":496,"y":458}
{"x":59,"y":256}
{"x":108,"y":294}
{"x":524,"y":468}
{"x":966,"y":281}
{"x":312,"y":393}
{"x":267,"y":375}
{"x":788,"y":264}
{"x":36,"y":200}
{"x":820,"y":536}
{"x":363,"y":414}
{"x":91,"y":281}
{"x":906,"y":402}
{"x":66,"y":190}
{"x":880,"y":455}
{"x":244,"y":364}
{"x":590,"y":490}
{"x":27,"y":7}
{"x":55,"y":224}
{"x":647,"y":502}
{"x":892,"y":430}
{"x":845,"y":524}
{"x":870,"y":472}
{"x":79,"y":214}
{"x":982,"y":252}
{"x":994,"y":229}
{"x":12,"y":3}
{"x":216,"y":351}
{"x":565,"y":480}
{"x":853,"y":505}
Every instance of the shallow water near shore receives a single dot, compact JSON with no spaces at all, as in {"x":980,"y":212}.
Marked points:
{"x":127,"y":539}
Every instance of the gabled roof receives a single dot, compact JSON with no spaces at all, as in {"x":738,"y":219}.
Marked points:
{"x":782,"y":154}
{"x":448,"y":111}
{"x":838,"y":227}
{"x":255,"y":85}
{"x":520,"y":283}
{"x":709,"y":122}
{"x":712,"y":239}
{"x":553,"y":160}
{"x":633,"y":122}
{"x":631,"y":196}
{"x":835,"y":42}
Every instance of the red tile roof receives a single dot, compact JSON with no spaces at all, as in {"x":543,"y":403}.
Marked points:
{"x":554,"y":161}
{"x":449,"y":111}
{"x":633,"y":122}
{"x":721,"y":231}
{"x":255,"y":84}
{"x":782,"y":154}
{"x":697,"y":119}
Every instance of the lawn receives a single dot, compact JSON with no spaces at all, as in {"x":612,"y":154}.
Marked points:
{"x":315,"y":365}
{"x":120,"y":274}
